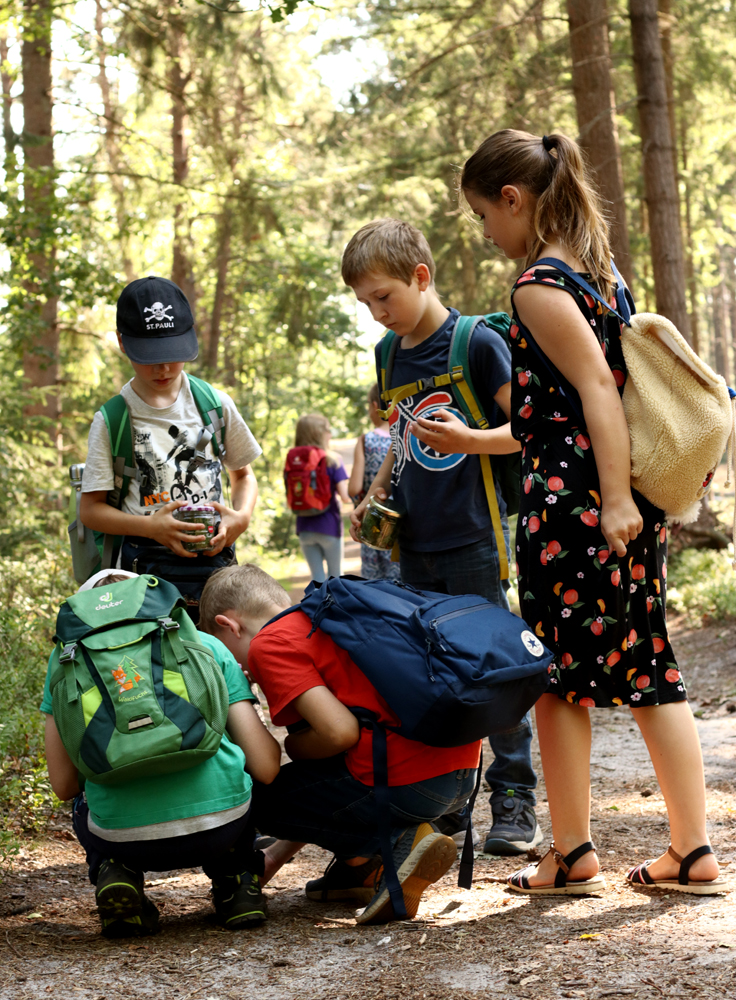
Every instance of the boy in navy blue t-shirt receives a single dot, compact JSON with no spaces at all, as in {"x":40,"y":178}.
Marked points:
{"x":433,"y":470}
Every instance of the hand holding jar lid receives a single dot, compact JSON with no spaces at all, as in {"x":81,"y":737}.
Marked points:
{"x":199,"y":514}
{"x":379,"y":528}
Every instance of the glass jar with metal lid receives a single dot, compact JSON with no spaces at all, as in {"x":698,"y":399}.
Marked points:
{"x":381,"y":523}
{"x":199,"y":514}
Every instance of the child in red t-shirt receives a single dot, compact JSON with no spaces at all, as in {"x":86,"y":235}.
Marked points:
{"x":325,"y":795}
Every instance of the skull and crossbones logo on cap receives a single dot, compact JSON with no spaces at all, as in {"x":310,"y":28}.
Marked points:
{"x":158,"y":311}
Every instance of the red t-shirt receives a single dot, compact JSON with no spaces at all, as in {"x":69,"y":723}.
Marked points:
{"x":286,"y":664}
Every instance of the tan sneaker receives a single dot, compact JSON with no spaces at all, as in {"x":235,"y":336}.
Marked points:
{"x":422,"y":856}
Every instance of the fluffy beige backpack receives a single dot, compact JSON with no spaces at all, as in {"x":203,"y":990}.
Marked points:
{"x":679,"y":413}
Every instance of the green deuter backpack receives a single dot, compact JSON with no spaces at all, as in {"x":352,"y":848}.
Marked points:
{"x":134,"y":692}
{"x":94,"y":550}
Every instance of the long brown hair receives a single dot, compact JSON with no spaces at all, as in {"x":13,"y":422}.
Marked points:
{"x":568,"y":207}
{"x":314,"y":429}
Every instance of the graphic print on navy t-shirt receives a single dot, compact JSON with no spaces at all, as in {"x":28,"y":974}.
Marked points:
{"x":408,"y":448}
{"x":443,"y":495}
{"x":173,"y":477}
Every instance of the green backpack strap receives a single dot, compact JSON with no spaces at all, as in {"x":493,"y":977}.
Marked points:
{"x":117,"y":419}
{"x":389,"y":346}
{"x":209,"y":405}
{"x":462,"y":386}
{"x":120,"y":430}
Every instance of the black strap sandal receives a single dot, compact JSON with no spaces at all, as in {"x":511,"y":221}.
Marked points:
{"x":519,"y":881}
{"x":639,"y":875}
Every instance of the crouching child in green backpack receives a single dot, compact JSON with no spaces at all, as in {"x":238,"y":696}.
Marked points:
{"x":151,"y":729}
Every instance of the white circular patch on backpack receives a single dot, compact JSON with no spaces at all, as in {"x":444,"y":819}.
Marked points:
{"x":531,"y":642}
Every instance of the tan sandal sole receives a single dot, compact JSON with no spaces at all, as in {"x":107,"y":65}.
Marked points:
{"x":571,"y":889}
{"x":694,"y":888}
{"x":438,"y":854}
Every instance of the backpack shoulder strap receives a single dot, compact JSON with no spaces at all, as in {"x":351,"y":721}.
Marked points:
{"x":209,"y":405}
{"x":462,"y":387}
{"x":586,"y":286}
{"x":391,"y":396}
{"x":459,"y":363}
{"x":624,"y":298}
{"x":389,"y":346}
{"x":117,"y":419}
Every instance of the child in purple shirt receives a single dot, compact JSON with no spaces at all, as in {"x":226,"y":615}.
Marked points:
{"x":321,"y":536}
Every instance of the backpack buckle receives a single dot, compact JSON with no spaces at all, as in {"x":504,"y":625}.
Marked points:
{"x":457,"y":373}
{"x":68,"y":653}
{"x":168,"y":624}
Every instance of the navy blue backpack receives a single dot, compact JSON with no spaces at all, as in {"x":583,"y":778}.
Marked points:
{"x":453,"y":669}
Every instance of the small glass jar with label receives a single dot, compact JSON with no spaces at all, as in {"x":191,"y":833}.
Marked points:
{"x":380,"y":525}
{"x":199,"y":514}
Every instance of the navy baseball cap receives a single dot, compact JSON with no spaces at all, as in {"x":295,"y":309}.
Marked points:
{"x":155,"y":322}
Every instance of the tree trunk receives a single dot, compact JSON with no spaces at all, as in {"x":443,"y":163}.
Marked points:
{"x":596,"y":111}
{"x":660,"y":181}
{"x":729,"y":264}
{"x":111,"y":144}
{"x":181,"y":270}
{"x":665,"y":21}
{"x":41,"y":351}
{"x":470,"y":280}
{"x":9,"y":137}
{"x":721,"y":325}
{"x":692,"y":286}
{"x":223,"y":262}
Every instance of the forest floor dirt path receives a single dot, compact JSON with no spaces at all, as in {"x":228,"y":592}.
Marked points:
{"x":465,"y":945}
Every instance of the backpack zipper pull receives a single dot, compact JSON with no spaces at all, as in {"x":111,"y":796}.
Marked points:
{"x":437,"y":641}
{"x":322,"y":610}
{"x":429,"y":644}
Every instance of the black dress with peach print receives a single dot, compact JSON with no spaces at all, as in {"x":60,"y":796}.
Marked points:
{"x":603,"y":617}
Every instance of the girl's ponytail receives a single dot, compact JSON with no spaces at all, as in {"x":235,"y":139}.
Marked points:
{"x":568,"y":207}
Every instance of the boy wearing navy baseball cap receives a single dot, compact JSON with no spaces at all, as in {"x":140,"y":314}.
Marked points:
{"x":183,"y":431}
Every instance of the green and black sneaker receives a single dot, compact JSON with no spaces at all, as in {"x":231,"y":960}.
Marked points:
{"x":239,"y":901}
{"x":124,"y":909}
{"x":138,"y":926}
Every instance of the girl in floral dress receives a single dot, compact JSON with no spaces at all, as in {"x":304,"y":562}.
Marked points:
{"x":370,"y":450}
{"x":592,"y":556}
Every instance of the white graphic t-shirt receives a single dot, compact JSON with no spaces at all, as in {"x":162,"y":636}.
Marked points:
{"x":165,"y":443}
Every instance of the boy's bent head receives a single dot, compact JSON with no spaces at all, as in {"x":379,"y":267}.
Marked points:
{"x":155,"y":322}
{"x":386,"y":246}
{"x":246,"y":590}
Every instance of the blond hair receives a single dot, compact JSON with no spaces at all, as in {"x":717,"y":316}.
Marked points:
{"x":312,"y":430}
{"x":245,"y":589}
{"x":568,"y":206}
{"x":374,"y":394}
{"x":386,"y":246}
{"x":112,"y":577}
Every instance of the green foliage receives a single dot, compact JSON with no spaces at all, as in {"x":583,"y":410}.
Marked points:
{"x":700,"y":585}
{"x":30,"y":592}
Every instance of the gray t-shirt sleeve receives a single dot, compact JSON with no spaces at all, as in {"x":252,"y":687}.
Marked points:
{"x":240,"y":446}
{"x":98,"y":474}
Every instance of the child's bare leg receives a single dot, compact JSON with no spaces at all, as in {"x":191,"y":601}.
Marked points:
{"x":564,"y":741}
{"x":277,"y":855}
{"x":671,"y":737}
